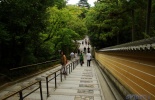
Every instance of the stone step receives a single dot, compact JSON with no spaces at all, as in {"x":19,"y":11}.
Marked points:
{"x":74,"y":97}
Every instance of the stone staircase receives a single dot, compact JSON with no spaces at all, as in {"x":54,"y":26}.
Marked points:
{"x":81,"y":84}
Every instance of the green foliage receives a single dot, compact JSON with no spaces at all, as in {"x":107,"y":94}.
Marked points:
{"x":60,"y":3}
{"x":21,"y":25}
{"x":34,"y":31}
{"x":64,"y":28}
{"x":112,"y":22}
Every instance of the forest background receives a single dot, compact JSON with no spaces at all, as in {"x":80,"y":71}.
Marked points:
{"x":33,"y":31}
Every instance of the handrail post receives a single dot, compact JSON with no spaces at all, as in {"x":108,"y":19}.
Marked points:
{"x":41,"y":94}
{"x":61,"y":74}
{"x":73,"y":65}
{"x":20,"y":95}
{"x":55,"y":80}
{"x":69,"y":68}
{"x":47,"y":86}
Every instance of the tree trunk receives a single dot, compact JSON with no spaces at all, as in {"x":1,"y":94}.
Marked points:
{"x":148,"y":17}
{"x":133,"y":25}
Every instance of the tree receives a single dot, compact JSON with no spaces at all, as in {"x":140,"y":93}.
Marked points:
{"x":117,"y":21}
{"x":64,"y":29}
{"x":33,"y":31}
{"x":21,"y":25}
{"x":83,"y":3}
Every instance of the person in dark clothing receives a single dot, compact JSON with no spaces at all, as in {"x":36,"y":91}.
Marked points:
{"x":84,"y":49}
{"x":86,"y":41}
{"x":88,"y":49}
{"x":81,"y":59}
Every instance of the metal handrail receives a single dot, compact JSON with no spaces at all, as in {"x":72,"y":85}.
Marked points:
{"x":34,"y":64}
{"x":21,"y":97}
{"x":68,"y":66}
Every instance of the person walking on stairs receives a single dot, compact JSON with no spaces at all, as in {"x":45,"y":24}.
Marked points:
{"x":81,"y":58}
{"x":63,"y":63}
{"x":88,"y":55}
{"x":85,"y":50}
{"x":72,"y":56}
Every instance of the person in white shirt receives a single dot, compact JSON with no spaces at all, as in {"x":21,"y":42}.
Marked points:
{"x":88,"y":58}
{"x":72,"y":56}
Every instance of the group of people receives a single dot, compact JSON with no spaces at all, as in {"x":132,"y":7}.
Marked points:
{"x":88,"y":56}
{"x":64,"y":61}
{"x":73,"y":55}
{"x":88,"y":49}
{"x":86,"y":41}
{"x":81,"y":56}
